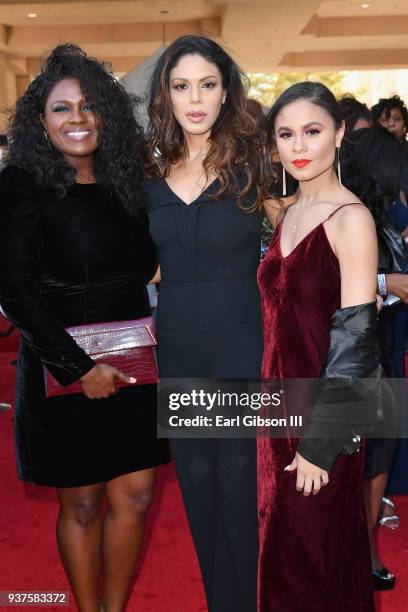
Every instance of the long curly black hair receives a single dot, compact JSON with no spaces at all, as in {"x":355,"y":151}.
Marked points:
{"x":118,"y":160}
{"x":387,"y":105}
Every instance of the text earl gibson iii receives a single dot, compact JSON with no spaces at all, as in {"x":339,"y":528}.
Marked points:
{"x":250,"y":420}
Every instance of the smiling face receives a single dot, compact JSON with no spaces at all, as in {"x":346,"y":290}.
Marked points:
{"x":71,"y":123}
{"x":394,"y":123}
{"x":306,"y":139}
{"x":196,"y":94}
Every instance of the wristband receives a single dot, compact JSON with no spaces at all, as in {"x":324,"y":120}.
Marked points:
{"x":382,"y":287}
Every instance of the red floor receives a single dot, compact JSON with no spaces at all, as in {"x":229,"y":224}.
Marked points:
{"x":168,"y":578}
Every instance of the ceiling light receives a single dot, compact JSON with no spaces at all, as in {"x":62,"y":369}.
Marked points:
{"x":31,"y":15}
{"x":365,"y":6}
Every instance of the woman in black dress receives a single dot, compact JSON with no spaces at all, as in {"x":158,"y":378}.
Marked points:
{"x":204,"y":219}
{"x":75,"y":249}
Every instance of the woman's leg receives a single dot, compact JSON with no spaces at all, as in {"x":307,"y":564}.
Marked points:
{"x":79,"y":541}
{"x":236,"y":559}
{"x":373,"y":491}
{"x":129,"y":499}
{"x":196,"y":463}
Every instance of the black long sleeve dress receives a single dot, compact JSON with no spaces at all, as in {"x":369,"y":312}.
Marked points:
{"x":68,"y":261}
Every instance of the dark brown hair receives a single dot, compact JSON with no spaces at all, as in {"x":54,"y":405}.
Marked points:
{"x":352,"y":110}
{"x":235,"y":142}
{"x":316,"y":93}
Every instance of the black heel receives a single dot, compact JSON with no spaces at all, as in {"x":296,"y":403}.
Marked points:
{"x":384,"y":580}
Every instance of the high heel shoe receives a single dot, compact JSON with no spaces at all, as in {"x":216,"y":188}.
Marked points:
{"x":392,"y":520}
{"x":384,"y":580}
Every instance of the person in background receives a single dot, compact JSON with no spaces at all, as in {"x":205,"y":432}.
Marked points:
{"x":204,"y":206}
{"x":355,"y":114}
{"x":374,"y":170}
{"x":378,"y":452}
{"x":256,"y":110}
{"x":3,"y":150}
{"x":75,"y":249}
{"x":392,"y":114}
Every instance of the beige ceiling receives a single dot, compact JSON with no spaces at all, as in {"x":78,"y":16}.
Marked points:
{"x":263,"y":35}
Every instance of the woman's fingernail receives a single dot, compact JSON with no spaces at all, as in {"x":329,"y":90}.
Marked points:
{"x":132,"y":379}
{"x":287,"y":468}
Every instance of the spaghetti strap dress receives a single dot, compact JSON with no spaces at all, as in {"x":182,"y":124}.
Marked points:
{"x":314,"y":551}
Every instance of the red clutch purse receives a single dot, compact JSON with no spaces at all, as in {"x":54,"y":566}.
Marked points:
{"x":126,"y":345}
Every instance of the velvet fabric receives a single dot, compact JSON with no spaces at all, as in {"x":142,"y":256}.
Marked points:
{"x":70,"y":261}
{"x":314,"y":552}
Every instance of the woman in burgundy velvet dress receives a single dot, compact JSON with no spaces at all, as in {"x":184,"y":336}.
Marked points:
{"x":318,"y":284}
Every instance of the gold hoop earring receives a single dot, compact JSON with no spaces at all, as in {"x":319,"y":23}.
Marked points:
{"x":283,"y":181}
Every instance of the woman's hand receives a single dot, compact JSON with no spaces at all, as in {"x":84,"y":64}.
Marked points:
{"x":99,"y":382}
{"x":156,"y":278}
{"x":398,"y":285}
{"x":310,"y":478}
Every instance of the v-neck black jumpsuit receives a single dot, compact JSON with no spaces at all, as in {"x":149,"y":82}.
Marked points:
{"x":209,"y":326}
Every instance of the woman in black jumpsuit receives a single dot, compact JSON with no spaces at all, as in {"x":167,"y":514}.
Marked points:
{"x":208,"y":316}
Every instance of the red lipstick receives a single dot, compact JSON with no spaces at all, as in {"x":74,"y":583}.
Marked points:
{"x":301,"y":163}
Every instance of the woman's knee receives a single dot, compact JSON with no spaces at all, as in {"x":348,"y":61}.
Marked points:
{"x":83,"y":509}
{"x":134,"y":503}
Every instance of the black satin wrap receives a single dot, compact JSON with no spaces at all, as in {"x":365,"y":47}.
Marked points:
{"x":345,"y":408}
{"x":392,"y":251}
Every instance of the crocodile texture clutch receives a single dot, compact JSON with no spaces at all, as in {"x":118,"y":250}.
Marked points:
{"x":126,"y":345}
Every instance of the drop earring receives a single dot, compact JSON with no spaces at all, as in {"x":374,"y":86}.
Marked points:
{"x":283,"y":181}
{"x":47,"y":140}
{"x":339,"y":166}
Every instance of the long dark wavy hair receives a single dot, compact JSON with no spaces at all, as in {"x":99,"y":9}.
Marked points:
{"x":235,"y":152}
{"x":375,"y":169}
{"x":316,"y":93}
{"x":118,"y":160}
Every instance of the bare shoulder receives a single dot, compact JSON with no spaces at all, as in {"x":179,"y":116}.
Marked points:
{"x":275,"y":209}
{"x":353,"y":233}
{"x":354,"y":218}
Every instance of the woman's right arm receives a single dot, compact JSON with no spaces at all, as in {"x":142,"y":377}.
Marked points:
{"x":20,"y":295}
{"x":275,"y":209}
{"x":21,"y":299}
{"x":156,"y":278}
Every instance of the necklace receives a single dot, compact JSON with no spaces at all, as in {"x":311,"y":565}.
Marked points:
{"x":295,"y":224}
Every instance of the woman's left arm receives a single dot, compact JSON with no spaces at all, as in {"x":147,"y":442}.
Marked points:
{"x":353,"y":350}
{"x":355,"y":244}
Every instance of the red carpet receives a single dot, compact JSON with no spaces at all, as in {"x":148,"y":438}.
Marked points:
{"x":168,"y":579}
